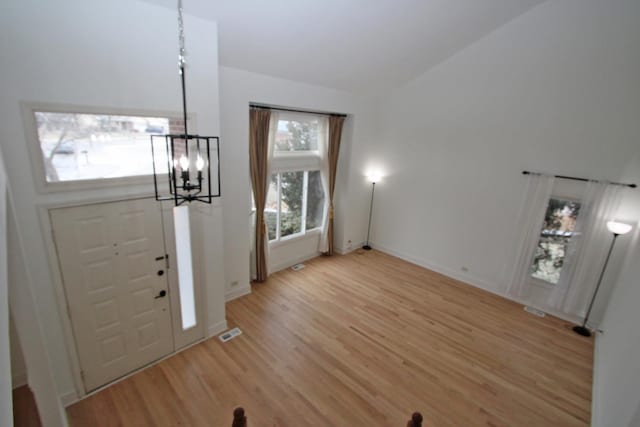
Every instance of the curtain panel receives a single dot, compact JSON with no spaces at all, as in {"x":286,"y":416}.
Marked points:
{"x":587,"y":249}
{"x":335,"y":135}
{"x":259,"y":123}
{"x":539,"y":188}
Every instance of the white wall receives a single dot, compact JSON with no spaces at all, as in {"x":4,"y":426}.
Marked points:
{"x":616,"y":373}
{"x":18,"y":367}
{"x":616,"y":393}
{"x":30,"y":328}
{"x":6,"y":407}
{"x":237,"y":89}
{"x":117,"y":54}
{"x":555,"y":90}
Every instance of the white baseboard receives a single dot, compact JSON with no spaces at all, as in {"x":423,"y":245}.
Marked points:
{"x":344,"y":251}
{"x":237,"y":293}
{"x":68,"y":398}
{"x":217,"y":328}
{"x":466,"y":278}
{"x":472,"y":281}
{"x":282,"y":266}
{"x":18,"y":379}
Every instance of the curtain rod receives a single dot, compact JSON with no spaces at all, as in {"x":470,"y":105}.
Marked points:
{"x":266,"y":107}
{"x":573,"y":178}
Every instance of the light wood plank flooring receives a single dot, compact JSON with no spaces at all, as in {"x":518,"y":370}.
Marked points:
{"x":25,"y":411}
{"x":364,"y":340}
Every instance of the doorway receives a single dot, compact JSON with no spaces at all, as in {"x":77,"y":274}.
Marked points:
{"x":114,"y":259}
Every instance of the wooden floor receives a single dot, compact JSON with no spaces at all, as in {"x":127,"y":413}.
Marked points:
{"x":25,"y":411}
{"x":364,"y":340}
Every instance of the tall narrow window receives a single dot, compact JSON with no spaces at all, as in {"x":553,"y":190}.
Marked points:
{"x":558,"y":228}
{"x":185,"y":266}
{"x":296,"y":198}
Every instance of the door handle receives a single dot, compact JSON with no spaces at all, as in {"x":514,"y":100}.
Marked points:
{"x":162,"y":294}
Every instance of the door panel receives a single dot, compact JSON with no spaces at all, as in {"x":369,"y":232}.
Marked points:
{"x":108,"y":257}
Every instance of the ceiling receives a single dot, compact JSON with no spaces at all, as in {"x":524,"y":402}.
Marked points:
{"x":362,"y":46}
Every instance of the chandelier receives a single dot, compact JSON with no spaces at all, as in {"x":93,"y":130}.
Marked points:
{"x":187,"y":156}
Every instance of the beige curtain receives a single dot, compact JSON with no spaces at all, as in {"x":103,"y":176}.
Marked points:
{"x":259,"y":120}
{"x":335,"y":134}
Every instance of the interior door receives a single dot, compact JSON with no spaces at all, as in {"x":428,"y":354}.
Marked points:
{"x":112,"y":258}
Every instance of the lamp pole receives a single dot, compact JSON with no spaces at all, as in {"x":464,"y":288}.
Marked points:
{"x":583,"y":330}
{"x":366,"y":245}
{"x":617,"y":228}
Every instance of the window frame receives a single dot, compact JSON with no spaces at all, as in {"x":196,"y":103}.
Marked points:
{"x":535,"y":280}
{"x":304,"y":231}
{"x":297,"y":154}
{"x":35,"y":152}
{"x":297,"y":161}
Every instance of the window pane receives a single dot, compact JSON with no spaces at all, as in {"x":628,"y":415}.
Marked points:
{"x":185,"y":268}
{"x":98,"y":146}
{"x":297,"y":135}
{"x":559,"y":225}
{"x":315,"y":200}
{"x":291,"y":184}
{"x":271,"y":208}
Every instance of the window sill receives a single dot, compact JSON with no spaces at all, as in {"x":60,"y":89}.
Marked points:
{"x":295,"y":238}
{"x":541,"y":283}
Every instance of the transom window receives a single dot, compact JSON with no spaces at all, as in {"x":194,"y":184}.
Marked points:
{"x":88,"y":146}
{"x":297,"y":133}
{"x":558,"y":228}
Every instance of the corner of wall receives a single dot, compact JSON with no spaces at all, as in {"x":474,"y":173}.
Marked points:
{"x":216,"y":328}
{"x":237,"y":292}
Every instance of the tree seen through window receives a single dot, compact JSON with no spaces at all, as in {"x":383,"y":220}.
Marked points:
{"x":558,"y":228}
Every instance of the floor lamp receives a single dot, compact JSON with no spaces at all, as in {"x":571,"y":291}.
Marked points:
{"x":373,"y":179}
{"x":617,"y":228}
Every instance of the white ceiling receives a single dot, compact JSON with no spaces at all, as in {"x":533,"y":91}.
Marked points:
{"x":354,"y":45}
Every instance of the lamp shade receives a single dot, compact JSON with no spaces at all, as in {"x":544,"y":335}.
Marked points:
{"x":374,"y":177}
{"x":618,"y":227}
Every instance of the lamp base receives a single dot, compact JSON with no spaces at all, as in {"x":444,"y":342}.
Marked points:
{"x":366,"y":247}
{"x":581,"y":330}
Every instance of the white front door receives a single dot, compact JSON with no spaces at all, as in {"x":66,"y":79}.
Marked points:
{"x":112,"y":258}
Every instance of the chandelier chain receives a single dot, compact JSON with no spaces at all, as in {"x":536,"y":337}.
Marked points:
{"x":181,"y":52}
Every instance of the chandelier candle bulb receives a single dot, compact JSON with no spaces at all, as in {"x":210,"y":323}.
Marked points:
{"x":184,"y":163}
{"x":199,"y":166}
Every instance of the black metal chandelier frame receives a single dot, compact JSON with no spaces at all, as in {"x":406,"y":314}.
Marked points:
{"x":183,"y":188}
{"x":191,"y":190}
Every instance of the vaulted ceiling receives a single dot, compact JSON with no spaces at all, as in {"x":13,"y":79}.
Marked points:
{"x":353,"y":45}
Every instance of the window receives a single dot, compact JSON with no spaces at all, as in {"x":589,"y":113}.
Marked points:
{"x":557,"y":229}
{"x":297,"y":134}
{"x":295,"y":204}
{"x":296,"y":199}
{"x":88,"y":146}
{"x":185,"y":267}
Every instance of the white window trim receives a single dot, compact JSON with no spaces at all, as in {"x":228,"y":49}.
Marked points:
{"x":279,"y":240}
{"x":294,"y":238}
{"x":35,"y":154}
{"x":296,"y":161}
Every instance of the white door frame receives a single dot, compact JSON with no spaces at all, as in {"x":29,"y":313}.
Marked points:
{"x":60,"y":293}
